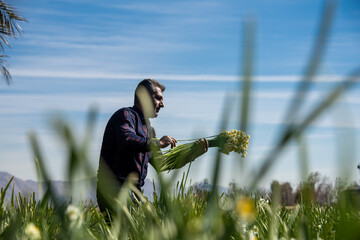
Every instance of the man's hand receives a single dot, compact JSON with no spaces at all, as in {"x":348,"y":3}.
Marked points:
{"x":201,"y":146}
{"x":166,"y":141}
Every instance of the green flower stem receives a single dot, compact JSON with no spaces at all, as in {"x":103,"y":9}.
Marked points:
{"x":214,"y":142}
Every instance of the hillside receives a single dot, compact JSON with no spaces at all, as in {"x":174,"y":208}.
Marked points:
{"x":28,"y":187}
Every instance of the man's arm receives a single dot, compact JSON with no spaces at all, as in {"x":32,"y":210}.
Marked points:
{"x":127,"y":136}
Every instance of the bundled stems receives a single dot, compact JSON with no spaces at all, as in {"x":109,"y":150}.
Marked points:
{"x":179,"y":156}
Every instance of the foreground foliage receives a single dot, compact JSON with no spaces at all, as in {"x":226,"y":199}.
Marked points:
{"x":181,"y":214}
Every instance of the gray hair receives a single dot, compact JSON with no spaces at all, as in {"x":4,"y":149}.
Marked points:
{"x":150,"y":85}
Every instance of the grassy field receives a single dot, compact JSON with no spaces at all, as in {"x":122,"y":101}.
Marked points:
{"x":180,"y":214}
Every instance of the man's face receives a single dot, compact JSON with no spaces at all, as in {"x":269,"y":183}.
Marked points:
{"x":157,"y":99}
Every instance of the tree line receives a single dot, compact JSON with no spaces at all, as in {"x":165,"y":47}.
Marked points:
{"x":315,"y":189}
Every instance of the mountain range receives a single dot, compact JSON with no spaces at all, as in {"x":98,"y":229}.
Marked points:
{"x":27,"y":187}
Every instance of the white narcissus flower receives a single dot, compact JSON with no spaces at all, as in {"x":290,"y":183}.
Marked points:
{"x":32,"y":231}
{"x":252,"y":235}
{"x":74,"y":215}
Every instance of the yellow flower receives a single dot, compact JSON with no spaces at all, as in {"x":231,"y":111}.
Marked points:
{"x":246,"y":209}
{"x":32,"y":231}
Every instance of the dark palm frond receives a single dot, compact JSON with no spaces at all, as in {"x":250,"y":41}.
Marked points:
{"x":9,"y":28}
{"x":4,"y":71}
{"x":9,"y":20}
{"x":6,"y":74}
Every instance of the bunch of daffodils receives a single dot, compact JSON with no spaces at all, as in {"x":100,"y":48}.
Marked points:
{"x":234,"y":140}
{"x":182,"y":154}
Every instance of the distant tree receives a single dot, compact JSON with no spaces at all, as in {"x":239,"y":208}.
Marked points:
{"x":354,"y":185}
{"x":9,"y":28}
{"x":340,"y":185}
{"x":286,"y":194}
{"x":305,"y":192}
{"x":234,"y":191}
{"x":325,"y":192}
{"x":283,"y":193}
{"x":317,"y":189}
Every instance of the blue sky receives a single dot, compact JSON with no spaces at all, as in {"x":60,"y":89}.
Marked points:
{"x":78,"y":54}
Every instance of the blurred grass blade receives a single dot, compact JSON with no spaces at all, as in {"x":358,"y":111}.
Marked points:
{"x":313,"y":63}
{"x":330,"y":99}
{"x":186,"y":178}
{"x":245,"y":84}
{"x":293,"y":131}
{"x":12,"y":196}
{"x":303,"y":157}
{"x":79,"y":170}
{"x":38,"y":174}
{"x":346,"y":140}
{"x":223,"y":125}
{"x":44,"y":175}
{"x":3,"y":194}
{"x":212,"y":199}
{"x":248,"y":49}
{"x":90,"y":124}
{"x":66,"y":135}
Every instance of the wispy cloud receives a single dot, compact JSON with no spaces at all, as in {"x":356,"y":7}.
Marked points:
{"x":170,"y":77}
{"x":171,"y":8}
{"x":40,"y":104}
{"x":110,"y":44}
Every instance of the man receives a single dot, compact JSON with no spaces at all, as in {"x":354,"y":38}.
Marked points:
{"x":128,"y":141}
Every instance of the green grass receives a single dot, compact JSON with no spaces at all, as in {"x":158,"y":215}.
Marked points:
{"x":181,"y":215}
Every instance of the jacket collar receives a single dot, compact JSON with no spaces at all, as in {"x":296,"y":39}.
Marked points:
{"x":141,"y":115}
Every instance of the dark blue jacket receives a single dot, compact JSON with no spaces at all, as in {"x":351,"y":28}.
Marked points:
{"x":126,"y":146}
